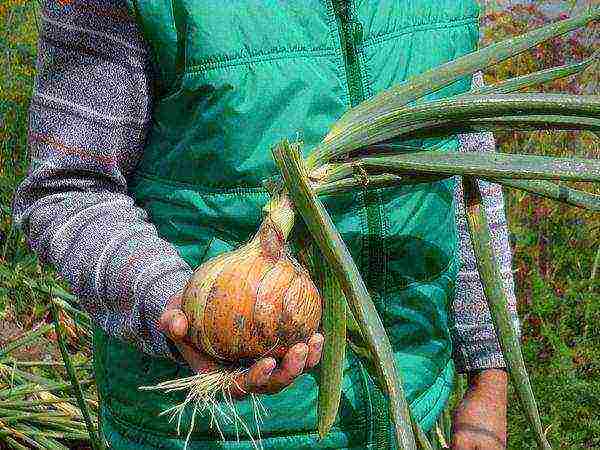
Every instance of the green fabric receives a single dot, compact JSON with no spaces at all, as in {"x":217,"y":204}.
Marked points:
{"x":234,"y":78}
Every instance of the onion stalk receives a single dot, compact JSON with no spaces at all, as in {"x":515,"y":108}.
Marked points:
{"x":334,"y":349}
{"x":335,"y":251}
{"x":391,"y":122}
{"x":537,"y":78}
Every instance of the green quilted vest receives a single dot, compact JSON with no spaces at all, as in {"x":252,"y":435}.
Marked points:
{"x":233,"y":78}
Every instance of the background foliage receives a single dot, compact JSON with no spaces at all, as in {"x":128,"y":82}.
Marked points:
{"x":554,"y":247}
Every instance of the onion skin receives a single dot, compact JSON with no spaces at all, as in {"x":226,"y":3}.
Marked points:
{"x":256,"y":301}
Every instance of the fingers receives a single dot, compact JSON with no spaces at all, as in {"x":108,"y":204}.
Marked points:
{"x":174,"y":323}
{"x":315,"y":348}
{"x":292,"y":365}
{"x":198,"y":361}
{"x":255,"y":379}
{"x":175,"y":301}
{"x":264,"y":378}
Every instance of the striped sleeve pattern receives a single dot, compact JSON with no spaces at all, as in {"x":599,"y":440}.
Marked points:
{"x":89,"y":117}
{"x":475,"y":342}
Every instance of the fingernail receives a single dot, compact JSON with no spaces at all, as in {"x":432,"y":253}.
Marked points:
{"x":268,"y":371}
{"x":319,"y":343}
{"x":179,"y":326}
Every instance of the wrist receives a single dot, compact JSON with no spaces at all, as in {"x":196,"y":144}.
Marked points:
{"x":494,"y":375}
{"x":491,"y":384}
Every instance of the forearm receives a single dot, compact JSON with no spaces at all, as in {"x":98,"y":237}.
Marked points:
{"x":112,"y":258}
{"x":480,"y":418}
{"x":475,"y":342}
{"x":488,"y":379}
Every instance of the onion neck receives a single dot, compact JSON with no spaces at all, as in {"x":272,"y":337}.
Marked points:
{"x":281,"y":213}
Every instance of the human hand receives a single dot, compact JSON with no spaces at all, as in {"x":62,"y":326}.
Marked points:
{"x":263,"y":377}
{"x":480,"y":418}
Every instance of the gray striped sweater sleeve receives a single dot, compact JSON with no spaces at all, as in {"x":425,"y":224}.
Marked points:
{"x":475,"y":342}
{"x":88,"y":120}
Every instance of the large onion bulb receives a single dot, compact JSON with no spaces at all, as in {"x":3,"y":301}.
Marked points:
{"x":253,"y":302}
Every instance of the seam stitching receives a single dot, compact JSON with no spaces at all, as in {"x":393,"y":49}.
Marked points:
{"x":251,"y":60}
{"x":337,"y":50}
{"x":380,"y":38}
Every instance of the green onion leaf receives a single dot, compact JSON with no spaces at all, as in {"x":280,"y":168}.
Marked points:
{"x":489,"y":273}
{"x":444,"y":75}
{"x":390,"y":123}
{"x":334,"y":249}
{"x":483,"y":165}
{"x":334,"y":347}
{"x":555,"y":191}
{"x":536,"y":78}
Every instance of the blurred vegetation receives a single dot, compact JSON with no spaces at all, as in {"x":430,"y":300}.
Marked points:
{"x":554,"y":247}
{"x":38,"y":408}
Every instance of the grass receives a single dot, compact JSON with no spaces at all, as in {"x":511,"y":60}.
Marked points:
{"x":554,"y":248}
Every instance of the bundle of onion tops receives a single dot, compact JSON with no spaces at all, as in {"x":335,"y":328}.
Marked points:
{"x":285,"y":307}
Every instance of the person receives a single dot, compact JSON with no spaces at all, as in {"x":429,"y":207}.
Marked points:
{"x":150,"y":129}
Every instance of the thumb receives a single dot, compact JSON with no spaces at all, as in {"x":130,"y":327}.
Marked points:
{"x":174,"y":323}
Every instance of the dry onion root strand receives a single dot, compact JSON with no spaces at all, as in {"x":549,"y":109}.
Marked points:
{"x":202,"y":391}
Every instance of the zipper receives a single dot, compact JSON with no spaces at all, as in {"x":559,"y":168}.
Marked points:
{"x":350,"y":34}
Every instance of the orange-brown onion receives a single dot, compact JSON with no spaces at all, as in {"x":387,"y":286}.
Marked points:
{"x":253,"y":302}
